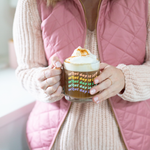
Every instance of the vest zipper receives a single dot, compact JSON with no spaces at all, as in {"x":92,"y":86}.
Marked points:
{"x":61,"y":125}
{"x":71,"y":102}
{"x":96,"y":28}
{"x":95,"y":22}
{"x":117,"y":124}
{"x":84,"y":17}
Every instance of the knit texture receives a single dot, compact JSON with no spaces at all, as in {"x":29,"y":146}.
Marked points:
{"x":32,"y":60}
{"x":96,"y":124}
{"x":29,"y":47}
{"x":89,"y":126}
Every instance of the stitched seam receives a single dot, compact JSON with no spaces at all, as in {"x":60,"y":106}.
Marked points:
{"x":40,"y":130}
{"x":144,"y":136}
{"x":147,"y":105}
{"x":49,"y":119}
{"x":78,"y":13}
{"x":121,"y":22}
{"x":58,"y":21}
{"x":134,"y":125}
{"x":135,"y":114}
{"x":137,"y":133}
{"x":40,"y":133}
{"x":56,"y":7}
{"x":60,"y":24}
{"x":117,"y":29}
{"x":130,"y":9}
{"x":122,"y":28}
{"x":34,"y":148}
{"x":123,"y":52}
{"x":63,"y":29}
{"x":65,"y":45}
{"x":123,"y":117}
{"x":128,"y":31}
{"x":133,"y":39}
{"x":44,"y":112}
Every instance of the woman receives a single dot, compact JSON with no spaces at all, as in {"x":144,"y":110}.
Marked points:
{"x":115,"y":31}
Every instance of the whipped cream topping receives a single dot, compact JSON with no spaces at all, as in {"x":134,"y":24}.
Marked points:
{"x":82,"y":56}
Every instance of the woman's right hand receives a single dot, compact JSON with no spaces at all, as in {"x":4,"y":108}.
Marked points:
{"x":49,"y":80}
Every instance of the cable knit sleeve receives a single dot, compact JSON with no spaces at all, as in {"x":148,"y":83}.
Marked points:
{"x":137,"y":78}
{"x":29,"y":47}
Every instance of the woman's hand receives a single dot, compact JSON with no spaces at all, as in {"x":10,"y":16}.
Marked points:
{"x":110,"y":82}
{"x":49,"y":80}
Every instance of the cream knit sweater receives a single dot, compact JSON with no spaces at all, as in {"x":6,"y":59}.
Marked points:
{"x":87,"y":126}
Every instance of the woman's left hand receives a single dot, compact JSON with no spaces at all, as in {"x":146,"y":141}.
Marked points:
{"x":110,"y":82}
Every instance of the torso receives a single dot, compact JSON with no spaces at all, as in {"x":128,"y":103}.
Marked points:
{"x":91,"y":12}
{"x":89,"y":126}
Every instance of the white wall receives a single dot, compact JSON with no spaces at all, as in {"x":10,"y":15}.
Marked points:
{"x":6,"y":22}
{"x":12,"y":136}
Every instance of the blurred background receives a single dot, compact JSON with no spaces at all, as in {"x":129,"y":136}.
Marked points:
{"x":15,"y":102}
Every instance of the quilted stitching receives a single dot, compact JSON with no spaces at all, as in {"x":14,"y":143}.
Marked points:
{"x":70,"y":38}
{"x":133,"y":119}
{"x":119,"y":25}
{"x":134,"y":127}
{"x":40,"y":135}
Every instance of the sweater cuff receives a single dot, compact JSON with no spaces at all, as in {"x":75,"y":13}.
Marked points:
{"x":128,"y":86}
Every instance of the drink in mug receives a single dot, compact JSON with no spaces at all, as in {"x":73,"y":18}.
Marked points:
{"x":79,"y":72}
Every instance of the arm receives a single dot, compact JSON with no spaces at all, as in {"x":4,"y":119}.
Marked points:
{"x":132,"y":82}
{"x":137,"y":78}
{"x":137,"y":81}
{"x":29,"y":48}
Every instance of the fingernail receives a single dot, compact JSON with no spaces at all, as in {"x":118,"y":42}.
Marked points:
{"x":96,"y":81}
{"x":67,"y":97}
{"x":96,"y":99}
{"x":58,"y":64}
{"x":93,"y":91}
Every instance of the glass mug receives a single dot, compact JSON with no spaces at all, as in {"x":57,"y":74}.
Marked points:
{"x":78,"y":80}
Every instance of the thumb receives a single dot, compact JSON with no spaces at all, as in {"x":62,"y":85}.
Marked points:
{"x":103,"y":66}
{"x":56,"y":62}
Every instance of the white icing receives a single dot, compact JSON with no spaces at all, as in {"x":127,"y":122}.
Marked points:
{"x":79,"y":59}
{"x":82,"y":61}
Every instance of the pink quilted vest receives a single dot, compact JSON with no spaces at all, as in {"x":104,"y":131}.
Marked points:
{"x":121,"y":37}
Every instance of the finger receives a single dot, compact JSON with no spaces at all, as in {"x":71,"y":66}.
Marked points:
{"x":48,"y":74}
{"x":103,"y":65}
{"x":104,"y":95}
{"x":58,"y":92}
{"x":102,"y":86}
{"x":51,"y":66}
{"x":67,"y":97}
{"x":52,"y":89}
{"x":56,"y":62}
{"x":54,"y":99}
{"x":50,"y":82}
{"x":103,"y":76}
